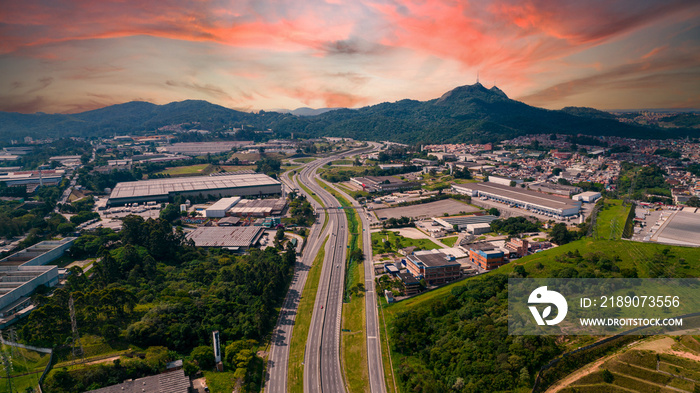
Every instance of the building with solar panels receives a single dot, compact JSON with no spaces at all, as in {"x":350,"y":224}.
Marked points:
{"x":218,"y":186}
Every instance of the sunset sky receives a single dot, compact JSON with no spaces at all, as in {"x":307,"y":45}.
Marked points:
{"x":59,"y":56}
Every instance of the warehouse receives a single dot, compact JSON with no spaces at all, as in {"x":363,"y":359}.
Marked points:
{"x":383,"y":183}
{"x":218,"y":210}
{"x":535,"y":202}
{"x":21,"y":273}
{"x":163,"y":190}
{"x":463,"y":222}
{"x":232,"y":238}
{"x":588,"y":196}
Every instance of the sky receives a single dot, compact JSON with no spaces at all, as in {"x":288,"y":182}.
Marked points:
{"x":60,"y":56}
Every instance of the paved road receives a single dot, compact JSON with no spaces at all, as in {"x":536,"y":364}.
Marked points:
{"x":322,"y":371}
{"x":374,"y":351}
{"x":278,"y":361}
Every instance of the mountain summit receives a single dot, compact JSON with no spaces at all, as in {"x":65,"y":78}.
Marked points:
{"x":475,"y":91}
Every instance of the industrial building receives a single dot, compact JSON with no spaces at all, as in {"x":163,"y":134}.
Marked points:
{"x":22,"y":272}
{"x":42,"y":177}
{"x":203,"y":148}
{"x":552,"y":188}
{"x":486,"y":255}
{"x":168,"y":382}
{"x":383,"y":183}
{"x":162,"y":190}
{"x":478,"y":229}
{"x":463,"y":222}
{"x":432,"y":266}
{"x":258,"y":207}
{"x":505,"y":181}
{"x":232,"y":238}
{"x":535,"y":202}
{"x":219,"y":209}
{"x":587,"y":197}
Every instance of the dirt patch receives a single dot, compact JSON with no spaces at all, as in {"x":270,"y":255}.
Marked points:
{"x":576,"y":375}
{"x":425,"y":210}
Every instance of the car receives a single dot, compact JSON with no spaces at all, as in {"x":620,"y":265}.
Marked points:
{"x":321,"y":307}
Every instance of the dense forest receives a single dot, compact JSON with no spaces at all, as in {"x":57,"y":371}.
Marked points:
{"x":152,"y":289}
{"x":460,"y":343}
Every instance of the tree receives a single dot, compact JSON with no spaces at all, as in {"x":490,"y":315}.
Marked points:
{"x":560,"y":235}
{"x":693,"y":202}
{"x":170,"y":213}
{"x":556,"y":171}
{"x":204,"y":356}
{"x":494,"y":212}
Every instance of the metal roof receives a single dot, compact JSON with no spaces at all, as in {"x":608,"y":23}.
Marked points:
{"x":159,"y":187}
{"x":521,"y":194}
{"x":225,"y":236}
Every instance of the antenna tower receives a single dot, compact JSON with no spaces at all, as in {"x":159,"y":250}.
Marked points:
{"x":77,"y":346}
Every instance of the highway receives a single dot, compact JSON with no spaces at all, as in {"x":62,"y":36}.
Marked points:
{"x":374,"y":351}
{"x":322,"y":370}
{"x":278,"y":361}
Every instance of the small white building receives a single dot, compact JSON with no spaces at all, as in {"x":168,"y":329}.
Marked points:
{"x":478,"y":229}
{"x":220,"y":208}
{"x":504,"y":180}
{"x":588,"y":196}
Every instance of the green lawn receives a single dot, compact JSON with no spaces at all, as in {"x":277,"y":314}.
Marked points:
{"x":302,"y":323}
{"x":378,"y":239}
{"x":304,"y":159}
{"x":611,"y":220}
{"x":342,"y":162}
{"x":220,"y":382}
{"x":185,"y":170}
{"x":202,"y":169}
{"x":449,"y":241}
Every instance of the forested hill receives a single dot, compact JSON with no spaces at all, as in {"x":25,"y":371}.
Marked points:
{"x":464,"y":114}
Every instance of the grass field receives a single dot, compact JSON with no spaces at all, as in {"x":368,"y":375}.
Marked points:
{"x":304,"y":159}
{"x":387,"y":360}
{"x":223,"y":382}
{"x":642,"y":371}
{"x":611,"y":220}
{"x":202,"y":169}
{"x":378,"y":239}
{"x":302,"y":324}
{"x":27,"y":366}
{"x":449,"y":241}
{"x":342,"y":162}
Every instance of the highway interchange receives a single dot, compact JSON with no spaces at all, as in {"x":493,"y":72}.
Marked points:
{"x":322,"y":368}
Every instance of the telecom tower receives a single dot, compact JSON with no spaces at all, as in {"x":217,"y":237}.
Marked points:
{"x":77,"y":346}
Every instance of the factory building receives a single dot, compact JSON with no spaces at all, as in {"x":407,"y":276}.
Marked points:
{"x":22,"y":272}
{"x":163,"y":190}
{"x":432,"y":266}
{"x":505,"y":181}
{"x":587,"y":197}
{"x":232,"y":238}
{"x":486,"y":255}
{"x":219,"y":209}
{"x":383,"y":183}
{"x":532,"y":201}
{"x":464,"y":222}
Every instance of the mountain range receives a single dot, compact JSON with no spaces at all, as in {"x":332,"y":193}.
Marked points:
{"x":471,"y":113}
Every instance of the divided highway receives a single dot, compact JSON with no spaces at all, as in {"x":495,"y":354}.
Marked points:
{"x":322,"y":370}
